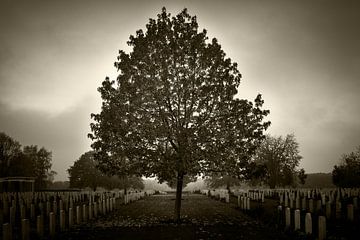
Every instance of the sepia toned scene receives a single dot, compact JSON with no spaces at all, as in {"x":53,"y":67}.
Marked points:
{"x":179,"y":119}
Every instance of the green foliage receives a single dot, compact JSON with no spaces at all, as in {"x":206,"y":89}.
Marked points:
{"x":173,"y":111}
{"x":27,"y":162}
{"x":347,"y":173}
{"x":279,"y":158}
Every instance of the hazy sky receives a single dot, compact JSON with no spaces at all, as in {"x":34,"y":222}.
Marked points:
{"x":302,"y":56}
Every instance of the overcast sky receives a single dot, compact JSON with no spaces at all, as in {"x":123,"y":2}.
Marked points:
{"x":302,"y":56}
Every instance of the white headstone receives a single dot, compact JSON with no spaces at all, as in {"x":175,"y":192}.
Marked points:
{"x":297,"y":220}
{"x":308,"y":223}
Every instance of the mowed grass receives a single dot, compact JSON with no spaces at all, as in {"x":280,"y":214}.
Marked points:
{"x":152,"y":218}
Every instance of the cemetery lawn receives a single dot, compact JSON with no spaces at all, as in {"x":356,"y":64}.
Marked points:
{"x":152,"y":218}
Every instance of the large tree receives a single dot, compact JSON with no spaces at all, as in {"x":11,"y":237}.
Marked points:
{"x":279,"y":158}
{"x":173,"y":111}
{"x":347,"y":173}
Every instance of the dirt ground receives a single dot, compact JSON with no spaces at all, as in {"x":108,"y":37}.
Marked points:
{"x":152,"y":218}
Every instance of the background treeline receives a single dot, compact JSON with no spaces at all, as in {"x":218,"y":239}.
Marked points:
{"x":27,"y":161}
{"x":85,"y":174}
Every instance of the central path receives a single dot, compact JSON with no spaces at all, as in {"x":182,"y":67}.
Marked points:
{"x":151,"y":218}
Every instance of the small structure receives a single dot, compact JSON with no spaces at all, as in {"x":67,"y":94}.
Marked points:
{"x":17,"y":184}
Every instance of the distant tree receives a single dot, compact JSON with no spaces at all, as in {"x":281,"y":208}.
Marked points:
{"x":279,"y":157}
{"x":302,"y":176}
{"x":347,"y":173}
{"x":173,"y":111}
{"x":41,"y":164}
{"x":125,"y":183}
{"x":217,"y":181}
{"x":84,"y":172}
{"x":59,"y":185}
{"x":187,"y":179}
{"x":27,"y":162}
{"x":10,"y":155}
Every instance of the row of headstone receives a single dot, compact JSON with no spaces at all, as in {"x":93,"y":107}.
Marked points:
{"x":244,"y":203}
{"x":331,"y":209}
{"x":59,"y":211}
{"x":308,"y":222}
{"x":17,"y":209}
{"x":220,"y":194}
{"x":133,"y":196}
{"x":62,"y":220}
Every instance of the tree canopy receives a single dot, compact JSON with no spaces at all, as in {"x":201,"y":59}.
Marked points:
{"x":347,"y":173}
{"x":173,"y":110}
{"x":28,"y":161}
{"x":279,"y":157}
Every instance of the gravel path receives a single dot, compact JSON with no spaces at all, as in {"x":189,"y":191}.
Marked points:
{"x":151,"y":218}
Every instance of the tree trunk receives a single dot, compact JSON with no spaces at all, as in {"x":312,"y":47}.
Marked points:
{"x":179,"y":184}
{"x":228,"y":186}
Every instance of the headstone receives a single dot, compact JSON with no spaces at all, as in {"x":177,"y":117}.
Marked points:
{"x":338,"y":209}
{"x":318,"y":205}
{"x":287,"y":217}
{"x":90,"y":211}
{"x":71,"y":217}
{"x":84,"y":215}
{"x":52,"y":224}
{"x":328,"y":210}
{"x":55,"y":208}
{"x":7,"y":231}
{"x":355,"y":203}
{"x":297,"y":202}
{"x":39,"y":227}
{"x":62,"y":220}
{"x":350,"y":212}
{"x":12,"y":215}
{"x":311,"y":205}
{"x":303,"y":203}
{"x":22,"y":212}
{"x":32,"y":212}
{"x":78,"y":215}
{"x":308,"y":223}
{"x":95,"y":209}
{"x":48,"y":208}
{"x":297,"y":220}
{"x":25,"y":229}
{"x":322,"y":228}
